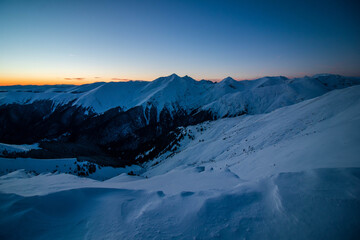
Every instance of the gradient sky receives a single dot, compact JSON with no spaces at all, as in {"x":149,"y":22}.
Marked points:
{"x":77,"y":42}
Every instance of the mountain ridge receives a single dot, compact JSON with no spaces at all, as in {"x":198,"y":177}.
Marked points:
{"x":164,"y":91}
{"x":115,"y":123}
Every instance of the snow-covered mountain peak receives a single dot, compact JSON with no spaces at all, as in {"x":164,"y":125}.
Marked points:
{"x":163,"y":81}
{"x":174,"y":75}
{"x":228,"y":85}
{"x":270,"y":81}
{"x":327,"y":75}
{"x":166,"y":79}
{"x":174,"y":90}
{"x":228,"y":79}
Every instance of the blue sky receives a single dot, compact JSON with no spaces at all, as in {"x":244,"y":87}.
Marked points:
{"x":54,"y":40}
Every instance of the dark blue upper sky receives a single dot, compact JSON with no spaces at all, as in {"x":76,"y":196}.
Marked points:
{"x":205,"y":39}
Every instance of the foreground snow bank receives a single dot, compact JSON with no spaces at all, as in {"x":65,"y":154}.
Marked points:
{"x":314,"y":204}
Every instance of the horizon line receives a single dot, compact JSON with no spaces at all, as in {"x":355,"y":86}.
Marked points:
{"x":114,"y":80}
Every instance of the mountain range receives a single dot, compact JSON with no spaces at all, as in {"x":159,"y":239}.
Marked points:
{"x":116,"y":123}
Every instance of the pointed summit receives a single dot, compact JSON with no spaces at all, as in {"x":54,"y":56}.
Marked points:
{"x":176,"y":78}
{"x":174,"y":75}
{"x":166,"y":79}
{"x":229,"y":83}
{"x":228,"y":80}
{"x":170,"y":77}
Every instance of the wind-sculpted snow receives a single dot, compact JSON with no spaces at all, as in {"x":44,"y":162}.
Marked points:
{"x":315,"y":204}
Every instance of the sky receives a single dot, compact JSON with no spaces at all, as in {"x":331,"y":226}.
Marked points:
{"x":76,"y":42}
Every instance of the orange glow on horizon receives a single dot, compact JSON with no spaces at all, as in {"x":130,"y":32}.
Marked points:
{"x":19,"y":80}
{"x":63,"y":81}
{"x":6,"y":81}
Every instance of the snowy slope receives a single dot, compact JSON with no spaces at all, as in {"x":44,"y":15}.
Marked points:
{"x":270,"y":93}
{"x":317,"y":133}
{"x":228,"y":97}
{"x":292,"y":173}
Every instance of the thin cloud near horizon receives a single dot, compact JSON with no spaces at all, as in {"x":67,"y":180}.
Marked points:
{"x":78,"y":78}
{"x":121,"y":79}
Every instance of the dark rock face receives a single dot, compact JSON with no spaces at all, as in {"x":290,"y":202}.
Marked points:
{"x":115,"y":137}
{"x":28,"y":123}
